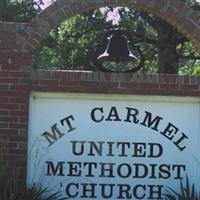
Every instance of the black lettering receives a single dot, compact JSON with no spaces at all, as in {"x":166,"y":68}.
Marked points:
{"x":75,"y":148}
{"x":124,"y":191}
{"x":138,"y":170}
{"x":170,"y":131}
{"x":90,"y":166}
{"x":153,"y":153}
{"x":136,"y":193}
{"x":153,"y":171}
{"x":149,"y":122}
{"x":164,"y":171}
{"x":68,"y":121}
{"x":179,"y":169}
{"x":106,"y":168}
{"x":139,"y":150}
{"x":107,"y":190}
{"x":123,"y":146}
{"x":54,"y":136}
{"x":121,"y":170}
{"x":67,"y":190}
{"x":132,"y":115}
{"x":179,"y":141}
{"x":155,"y":191}
{"x":93,"y":116}
{"x":98,"y":149}
{"x":54,"y":170}
{"x":110,"y":149}
{"x":88,"y":190}
{"x":113,"y":115}
{"x":74,"y":169}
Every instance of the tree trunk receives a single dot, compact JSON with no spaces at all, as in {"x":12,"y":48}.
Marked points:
{"x":168,"y":58}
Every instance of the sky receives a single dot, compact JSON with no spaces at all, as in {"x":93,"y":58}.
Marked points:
{"x":46,"y":4}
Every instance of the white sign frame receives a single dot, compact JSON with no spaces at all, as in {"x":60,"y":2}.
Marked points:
{"x":168,"y":132}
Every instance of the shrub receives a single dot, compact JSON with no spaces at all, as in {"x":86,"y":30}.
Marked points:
{"x":11,"y":189}
{"x":187,"y":192}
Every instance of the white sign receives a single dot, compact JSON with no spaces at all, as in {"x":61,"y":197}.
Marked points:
{"x":111,"y":146}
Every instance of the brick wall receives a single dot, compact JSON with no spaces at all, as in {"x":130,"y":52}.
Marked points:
{"x":17,"y":79}
{"x":116,"y":83}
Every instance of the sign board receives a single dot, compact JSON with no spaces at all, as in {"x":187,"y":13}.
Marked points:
{"x":112,"y":146}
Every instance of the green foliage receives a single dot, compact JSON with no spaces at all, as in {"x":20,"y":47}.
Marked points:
{"x":193,"y":3}
{"x":71,"y":45}
{"x":74,"y":40}
{"x":49,"y":59}
{"x":19,"y":10}
{"x":187,"y":192}
{"x":11,"y":189}
{"x":187,"y":63}
{"x":196,"y":71}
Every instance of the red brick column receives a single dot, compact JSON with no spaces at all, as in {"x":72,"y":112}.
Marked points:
{"x":14,"y":98}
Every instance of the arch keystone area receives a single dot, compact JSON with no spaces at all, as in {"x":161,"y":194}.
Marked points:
{"x":174,"y":12}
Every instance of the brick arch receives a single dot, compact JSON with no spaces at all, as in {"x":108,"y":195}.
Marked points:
{"x":173,"y":11}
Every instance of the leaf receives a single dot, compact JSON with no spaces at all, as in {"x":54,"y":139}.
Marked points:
{"x":187,"y":192}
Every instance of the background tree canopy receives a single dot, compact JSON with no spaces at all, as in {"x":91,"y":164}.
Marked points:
{"x":71,"y":45}
{"x":19,"y":10}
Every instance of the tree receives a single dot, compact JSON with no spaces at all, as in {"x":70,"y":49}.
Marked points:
{"x":72,"y":42}
{"x":165,"y":49}
{"x":19,"y":10}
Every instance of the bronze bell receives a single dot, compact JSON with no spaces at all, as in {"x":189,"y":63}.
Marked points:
{"x":117,"y":46}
